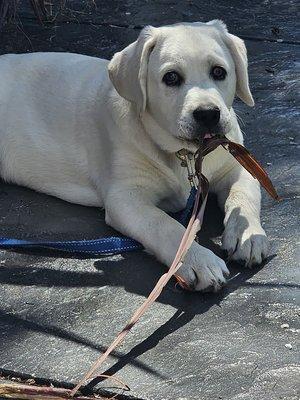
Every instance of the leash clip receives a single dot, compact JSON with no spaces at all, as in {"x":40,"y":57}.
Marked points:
{"x":187,"y":159}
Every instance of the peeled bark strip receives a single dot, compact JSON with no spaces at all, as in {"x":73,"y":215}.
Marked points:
{"x":243,"y":156}
{"x":247,"y":160}
{"x":253,"y":167}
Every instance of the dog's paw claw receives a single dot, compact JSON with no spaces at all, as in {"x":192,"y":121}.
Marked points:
{"x":248,"y":247}
{"x":203,"y":271}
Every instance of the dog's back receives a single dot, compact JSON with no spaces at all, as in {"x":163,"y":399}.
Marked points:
{"x":48,"y":104}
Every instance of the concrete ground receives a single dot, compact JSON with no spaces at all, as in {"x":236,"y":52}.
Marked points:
{"x":57,"y":314}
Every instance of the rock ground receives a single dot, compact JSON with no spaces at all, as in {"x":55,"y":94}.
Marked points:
{"x":58,"y":314}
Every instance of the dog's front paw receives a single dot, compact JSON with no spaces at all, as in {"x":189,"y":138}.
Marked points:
{"x":245,"y":241}
{"x":203,"y":270}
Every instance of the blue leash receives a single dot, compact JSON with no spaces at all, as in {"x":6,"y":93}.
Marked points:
{"x":109,"y":245}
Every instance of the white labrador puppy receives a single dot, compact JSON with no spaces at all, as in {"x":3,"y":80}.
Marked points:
{"x":105,"y":134}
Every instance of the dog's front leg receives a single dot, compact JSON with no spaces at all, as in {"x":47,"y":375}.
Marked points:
{"x":244,"y":239}
{"x":132,"y":213}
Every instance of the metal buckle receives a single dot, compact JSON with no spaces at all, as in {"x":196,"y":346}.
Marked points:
{"x":187,"y":159}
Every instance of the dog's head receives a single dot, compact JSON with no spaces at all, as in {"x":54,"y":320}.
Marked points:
{"x":185,"y":78}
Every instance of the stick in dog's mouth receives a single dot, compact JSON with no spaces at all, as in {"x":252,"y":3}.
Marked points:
{"x":241,"y":154}
{"x":208,"y":144}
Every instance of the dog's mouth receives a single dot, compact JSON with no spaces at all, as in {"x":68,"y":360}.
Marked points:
{"x":203,"y":139}
{"x":207,"y":137}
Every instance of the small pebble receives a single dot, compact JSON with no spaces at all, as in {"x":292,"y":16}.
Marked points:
{"x":269,"y":163}
{"x":30,"y":381}
{"x":288,"y":346}
{"x":284,"y":326}
{"x":128,"y":13}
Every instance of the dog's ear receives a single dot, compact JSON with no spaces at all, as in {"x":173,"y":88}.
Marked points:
{"x":128,"y":69}
{"x":239,"y":54}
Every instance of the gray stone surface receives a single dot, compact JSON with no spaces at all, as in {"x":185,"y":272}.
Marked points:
{"x":58,"y":314}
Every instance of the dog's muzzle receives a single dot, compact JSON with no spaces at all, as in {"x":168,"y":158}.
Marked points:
{"x":207,"y":123}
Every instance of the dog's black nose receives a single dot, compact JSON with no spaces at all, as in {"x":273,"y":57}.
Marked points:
{"x":209,"y":118}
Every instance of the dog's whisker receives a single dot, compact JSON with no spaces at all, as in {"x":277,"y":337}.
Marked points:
{"x":240,"y":119}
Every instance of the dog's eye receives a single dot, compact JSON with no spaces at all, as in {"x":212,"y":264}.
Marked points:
{"x":218,"y":73}
{"x":172,"y":78}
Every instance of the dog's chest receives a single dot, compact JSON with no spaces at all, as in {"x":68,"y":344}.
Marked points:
{"x":179,"y":185}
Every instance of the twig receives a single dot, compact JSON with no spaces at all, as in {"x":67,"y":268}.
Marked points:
{"x":30,"y":392}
